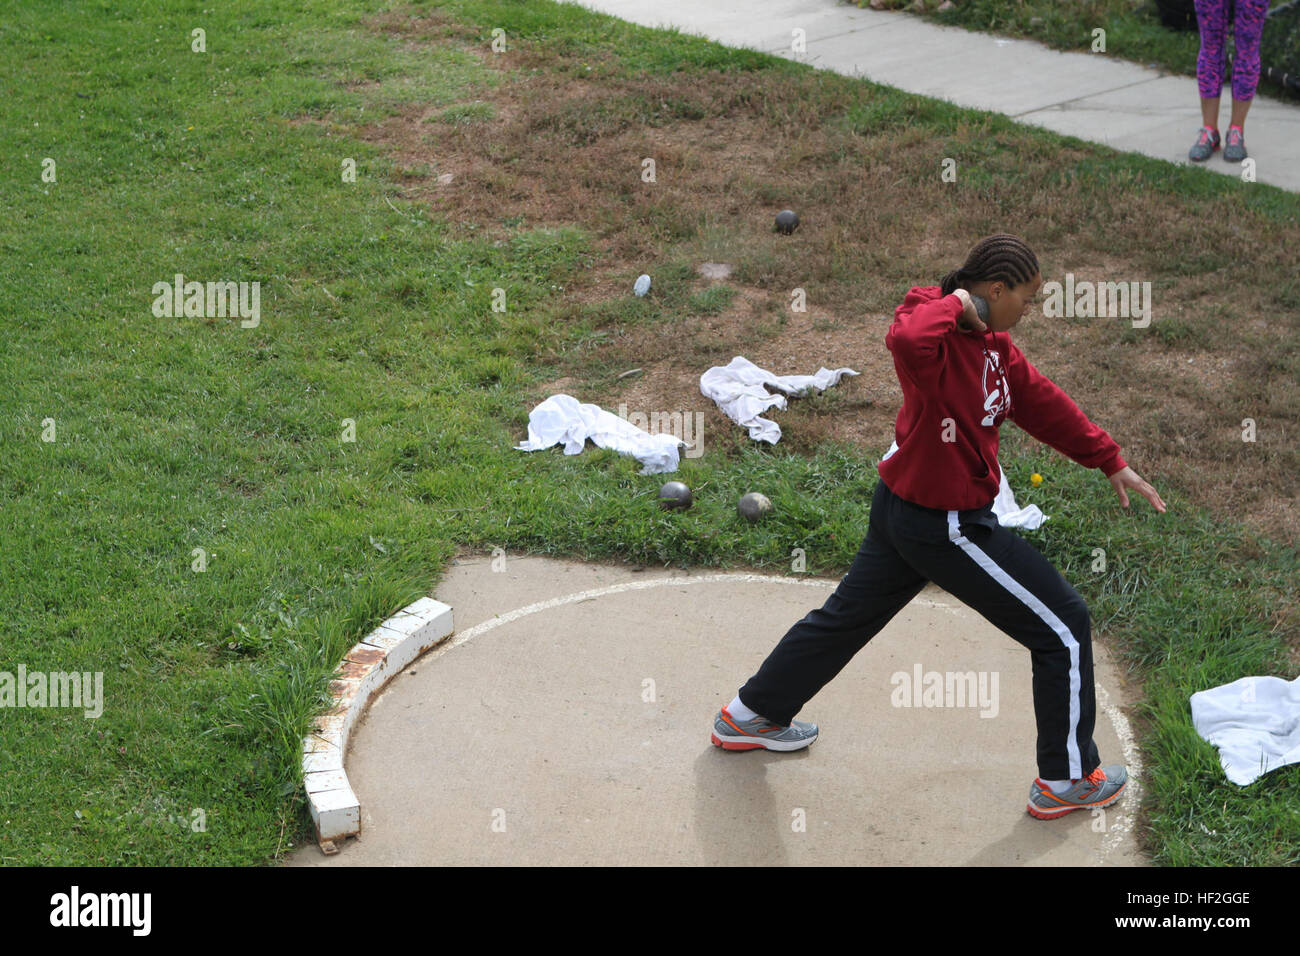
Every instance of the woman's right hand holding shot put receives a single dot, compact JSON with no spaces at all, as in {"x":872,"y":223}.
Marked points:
{"x":970,"y":319}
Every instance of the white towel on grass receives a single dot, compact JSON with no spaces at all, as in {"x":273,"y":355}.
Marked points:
{"x":1010,"y":515}
{"x":561,"y":418}
{"x":1255,"y":723}
{"x":740,"y":389}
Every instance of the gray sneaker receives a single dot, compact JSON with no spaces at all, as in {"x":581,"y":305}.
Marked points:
{"x":1234,"y":150}
{"x":1207,"y":141}
{"x":1100,"y":788}
{"x":729,"y":733}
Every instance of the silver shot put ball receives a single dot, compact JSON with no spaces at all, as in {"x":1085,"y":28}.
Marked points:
{"x":675,"y":496}
{"x":753,"y":506}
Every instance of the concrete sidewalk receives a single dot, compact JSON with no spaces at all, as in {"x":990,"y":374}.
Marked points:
{"x":567,"y":721}
{"x":1092,"y":96}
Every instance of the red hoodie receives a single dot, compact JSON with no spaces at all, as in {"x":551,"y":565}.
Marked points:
{"x":958,"y":387}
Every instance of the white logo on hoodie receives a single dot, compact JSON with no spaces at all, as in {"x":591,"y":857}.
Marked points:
{"x":997,"y":393}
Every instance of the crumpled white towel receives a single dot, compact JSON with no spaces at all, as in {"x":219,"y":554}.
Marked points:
{"x":1010,"y":515}
{"x":1255,"y":723}
{"x":739,"y":390}
{"x":562,"y":419}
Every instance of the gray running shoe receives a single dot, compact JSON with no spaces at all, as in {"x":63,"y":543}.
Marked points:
{"x":1207,"y":141}
{"x":1234,"y":150}
{"x":729,"y":733}
{"x":1100,"y":788}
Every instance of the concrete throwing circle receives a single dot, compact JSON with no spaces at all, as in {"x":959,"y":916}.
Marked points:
{"x":567,"y":721}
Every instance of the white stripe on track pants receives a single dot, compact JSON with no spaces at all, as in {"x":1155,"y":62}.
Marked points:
{"x":985,"y":566}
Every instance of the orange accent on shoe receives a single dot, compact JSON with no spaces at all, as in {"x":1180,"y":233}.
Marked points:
{"x":730,"y":723}
{"x":1047,"y":792}
{"x":728,"y":745}
{"x":726,"y":715}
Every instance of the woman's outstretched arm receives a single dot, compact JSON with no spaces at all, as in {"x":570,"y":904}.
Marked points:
{"x":1043,"y":410}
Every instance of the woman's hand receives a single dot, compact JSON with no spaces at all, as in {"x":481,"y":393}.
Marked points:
{"x":1128,"y":478}
{"x":970,"y":319}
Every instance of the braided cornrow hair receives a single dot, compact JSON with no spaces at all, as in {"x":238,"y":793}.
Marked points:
{"x":997,"y":258}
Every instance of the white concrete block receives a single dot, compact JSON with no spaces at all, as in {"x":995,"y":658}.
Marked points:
{"x":427,"y":608}
{"x":315,"y":743}
{"x":321,"y":780}
{"x":315,"y":761}
{"x":383,"y":638}
{"x":336,"y":814}
{"x":427,"y":629}
{"x":380,"y":656}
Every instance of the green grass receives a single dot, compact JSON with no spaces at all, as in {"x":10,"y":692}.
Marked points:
{"x":175,"y":434}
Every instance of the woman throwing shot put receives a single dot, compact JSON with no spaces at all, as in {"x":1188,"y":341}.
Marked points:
{"x":932,"y":519}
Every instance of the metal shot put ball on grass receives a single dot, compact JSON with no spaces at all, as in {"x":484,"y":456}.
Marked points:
{"x":676,"y":496}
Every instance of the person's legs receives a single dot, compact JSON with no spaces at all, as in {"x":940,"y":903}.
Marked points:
{"x":878,"y":585}
{"x":1212,"y":20}
{"x":1246,"y":32}
{"x":1003,"y":577}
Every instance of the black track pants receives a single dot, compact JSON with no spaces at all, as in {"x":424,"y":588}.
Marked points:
{"x":983,"y":565}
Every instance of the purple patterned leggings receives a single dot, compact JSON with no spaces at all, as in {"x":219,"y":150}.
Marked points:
{"x":1212,"y":17}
